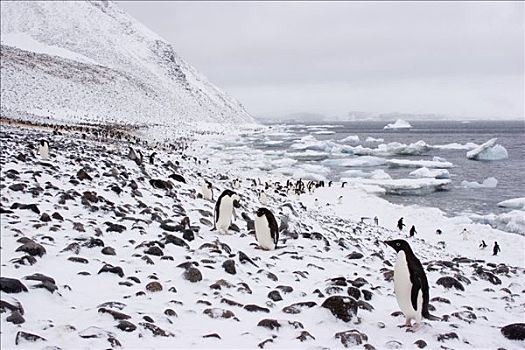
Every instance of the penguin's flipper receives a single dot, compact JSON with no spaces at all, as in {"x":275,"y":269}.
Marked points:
{"x":416,"y":289}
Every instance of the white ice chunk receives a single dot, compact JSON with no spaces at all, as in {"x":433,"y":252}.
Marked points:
{"x":350,"y":139}
{"x":435,"y":173}
{"x":405,"y":163}
{"x":490,"y":182}
{"x":514,"y":203}
{"x":364,"y":161}
{"x":488,"y":151}
{"x":408,"y":186}
{"x":399,"y":124}
{"x":372,"y":139}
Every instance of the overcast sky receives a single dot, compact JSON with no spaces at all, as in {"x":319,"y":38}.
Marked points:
{"x":460,"y":59}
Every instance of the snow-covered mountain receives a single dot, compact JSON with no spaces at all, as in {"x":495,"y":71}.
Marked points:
{"x":91,"y":61}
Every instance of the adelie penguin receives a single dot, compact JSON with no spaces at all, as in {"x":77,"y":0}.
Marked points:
{"x":224,"y":209}
{"x":43,"y":150}
{"x":266,"y":229}
{"x":410,"y":285}
{"x":207,"y":190}
{"x":263,"y":198}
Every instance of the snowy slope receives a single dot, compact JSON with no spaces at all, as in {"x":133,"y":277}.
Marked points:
{"x":91,"y":61}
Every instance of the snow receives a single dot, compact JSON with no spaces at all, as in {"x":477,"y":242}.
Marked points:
{"x":488,"y":151}
{"x":514,"y":203}
{"x":435,"y":173}
{"x":398,"y":124}
{"x":405,"y":163}
{"x":490,"y":182}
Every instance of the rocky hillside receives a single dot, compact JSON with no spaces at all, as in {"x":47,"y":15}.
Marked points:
{"x":96,"y":254}
{"x":91,"y":61}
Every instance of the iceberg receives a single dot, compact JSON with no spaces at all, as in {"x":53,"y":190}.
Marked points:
{"x":514,"y":203}
{"x":513,"y":221}
{"x":398,"y":124}
{"x":407,"y":186}
{"x":490,"y":182}
{"x":435,"y":173}
{"x":404,"y":163}
{"x":488,"y":151}
{"x":350,"y":139}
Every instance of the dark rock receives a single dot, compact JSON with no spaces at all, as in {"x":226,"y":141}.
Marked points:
{"x":421,"y":343}
{"x":148,"y":260}
{"x":285,"y":289}
{"x":229,"y":267}
{"x":126,"y":326}
{"x":112,"y":269}
{"x":255,"y":308}
{"x":83,"y":175}
{"x":231,"y":302}
{"x":263,"y":343}
{"x":154,"y":287}
{"x":449,"y":282}
{"x":154,"y":250}
{"x":515,"y":331}
{"x":176,"y":241}
{"x":108,"y":251}
{"x":354,"y":292}
{"x":467,"y":316}
{"x":32,"y":207}
{"x":78,"y":226}
{"x":188,"y":235}
{"x":40,"y":277}
{"x":296,"y":308}
{"x":359,"y":282}
{"x":24,"y":336}
{"x":351,"y":338}
{"x":192,"y":274}
{"x":15,"y":318}
{"x":4,"y":305}
{"x":115,"y":227}
{"x":45,"y":217}
{"x":170,"y":312}
{"x":219,"y":313}
{"x":57,"y":216}
{"x":243,"y":258}
{"x":115,"y":314}
{"x":440,"y":300}
{"x":244,"y":288}
{"x":32,"y":248}
{"x":11,"y":285}
{"x":17,"y":187}
{"x":78,"y":259}
{"x":51,"y":287}
{"x":343,"y":308}
{"x":488,"y":276}
{"x":275,"y":295}
{"x":363,"y":305}
{"x":157,"y":331}
{"x":269,"y":323}
{"x":447,"y":336}
{"x":304,"y":336}
{"x":93,"y":242}
{"x":72,"y":247}
{"x":213,"y":335}
{"x":177,"y":177}
{"x":354,"y":255}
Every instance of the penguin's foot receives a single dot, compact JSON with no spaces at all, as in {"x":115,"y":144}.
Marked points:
{"x":417,"y":326}
{"x":406,"y":324}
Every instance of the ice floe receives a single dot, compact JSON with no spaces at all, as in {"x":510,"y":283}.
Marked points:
{"x":514,"y":203}
{"x":407,"y":186}
{"x":435,"y":173}
{"x":364,"y":161}
{"x":490,"y":182}
{"x":398,"y":124}
{"x":488,"y":151}
{"x":405,"y":163}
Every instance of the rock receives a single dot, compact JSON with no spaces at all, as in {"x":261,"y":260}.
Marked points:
{"x":218,"y":313}
{"x":367,"y":294}
{"x":263,"y":343}
{"x":154,"y":250}
{"x":40,"y":277}
{"x":269,"y":323}
{"x":363,"y":305}
{"x":421,"y":343}
{"x":45,"y":217}
{"x":213,"y":335}
{"x":440,"y":300}
{"x":359,"y":282}
{"x":32,"y":248}
{"x":192,"y":274}
{"x":78,"y":226}
{"x":296,"y":308}
{"x":24,"y":336}
{"x":154,"y":287}
{"x":11,"y":285}
{"x":170,"y":312}
{"x":115,"y":314}
{"x":93,"y":242}
{"x":304,"y":336}
{"x":275,"y":295}
{"x":115,"y":227}
{"x":351,"y":338}
{"x":231,"y":302}
{"x":32,"y":207}
{"x":17,"y":187}
{"x":15,"y":318}
{"x":447,"y":336}
{"x":354,"y":292}
{"x":255,"y":308}
{"x":488,"y":276}
{"x":126,"y":326}
{"x":343,"y":308}
{"x":189,"y":235}
{"x":108,"y":251}
{"x":354,"y":255}
{"x":78,"y":259}
{"x":176,"y":241}
{"x":112,"y":269}
{"x":83,"y":175}
{"x":51,"y":287}
{"x":393,"y":344}
{"x":157,"y":331}
{"x":72,"y":247}
{"x":515,"y":331}
{"x":57,"y":216}
{"x":243,"y":258}
{"x":229,"y":267}
{"x":285,"y":289}
{"x":449,"y":282}
{"x":177,"y":177}
{"x":467,"y":316}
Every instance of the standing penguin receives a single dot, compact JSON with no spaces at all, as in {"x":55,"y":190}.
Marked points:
{"x":43,"y":150}
{"x":376,"y":221}
{"x":483,"y":245}
{"x":410,"y":284}
{"x":224,"y":209}
{"x":207,"y":190}
{"x":263,"y":198}
{"x":413,"y":231}
{"x":266,"y":229}
{"x":152,"y":158}
{"x":400,"y":224}
{"x":496,"y":249}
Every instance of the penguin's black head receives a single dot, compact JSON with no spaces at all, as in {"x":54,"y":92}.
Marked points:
{"x":43,"y":142}
{"x":208,"y":184}
{"x":399,"y":245}
{"x":262,"y":211}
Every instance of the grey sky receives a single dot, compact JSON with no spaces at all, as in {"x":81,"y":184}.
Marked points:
{"x":461,"y":59}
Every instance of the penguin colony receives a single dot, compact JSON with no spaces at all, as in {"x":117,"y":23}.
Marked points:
{"x":410,"y":281}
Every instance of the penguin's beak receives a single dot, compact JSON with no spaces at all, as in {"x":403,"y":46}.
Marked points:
{"x":390,"y":243}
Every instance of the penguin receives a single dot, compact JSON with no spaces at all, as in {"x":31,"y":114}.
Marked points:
{"x":340,"y":200}
{"x":43,"y":150}
{"x":343,"y":184}
{"x":236,"y":183}
{"x":207,"y":190}
{"x":152,"y":158}
{"x":496,"y":249}
{"x":410,"y":284}
{"x":376,"y":221}
{"x":483,"y":245}
{"x":224,"y":209}
{"x":263,"y":198}
{"x":413,"y":231}
{"x":400,"y":224}
{"x":266,"y":229}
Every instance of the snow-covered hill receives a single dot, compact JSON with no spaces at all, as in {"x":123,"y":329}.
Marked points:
{"x":91,"y":61}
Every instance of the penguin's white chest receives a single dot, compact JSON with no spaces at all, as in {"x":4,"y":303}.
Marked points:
{"x":225,"y":215}
{"x":263,"y":198}
{"x":263,"y":233}
{"x":403,"y":288}
{"x":44,"y":151}
{"x":206,"y":192}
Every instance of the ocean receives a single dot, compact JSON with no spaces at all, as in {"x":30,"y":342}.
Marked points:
{"x":457,"y":200}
